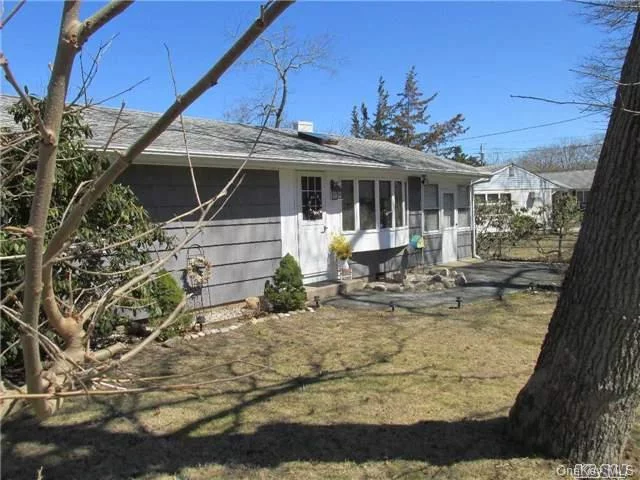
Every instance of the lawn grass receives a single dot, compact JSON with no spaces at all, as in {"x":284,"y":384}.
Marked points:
{"x":542,"y":250}
{"x":349,"y":394}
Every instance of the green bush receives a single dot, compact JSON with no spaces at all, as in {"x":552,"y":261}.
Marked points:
{"x":168,"y":295}
{"x":287,"y":292}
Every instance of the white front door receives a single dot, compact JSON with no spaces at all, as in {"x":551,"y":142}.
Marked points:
{"x":313,"y":243}
{"x":449,"y":229}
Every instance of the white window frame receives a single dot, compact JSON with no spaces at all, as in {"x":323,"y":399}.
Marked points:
{"x":468,"y":207}
{"x":376,"y":187}
{"x":486,"y":196}
{"x":423,"y":208}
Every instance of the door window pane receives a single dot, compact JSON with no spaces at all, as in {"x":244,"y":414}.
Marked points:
{"x":311,"y":188}
{"x":386,"y":214}
{"x":464,"y":219}
{"x":431,"y":220}
{"x":367,"y":201}
{"x":398,"y":204}
{"x":348,"y":211}
{"x":448,"y":206}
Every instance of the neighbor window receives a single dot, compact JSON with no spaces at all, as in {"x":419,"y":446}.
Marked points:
{"x":348,"y":206}
{"x":311,"y":189}
{"x":464,"y":216}
{"x":493,"y":198}
{"x":431,"y":208}
{"x":384,"y":204}
{"x":367,"y":204}
{"x":399,"y":202}
{"x":481,"y":198}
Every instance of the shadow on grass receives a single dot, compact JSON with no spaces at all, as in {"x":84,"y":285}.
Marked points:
{"x":107,"y":454}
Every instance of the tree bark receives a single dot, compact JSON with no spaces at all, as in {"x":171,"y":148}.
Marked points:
{"x":283,"y":102}
{"x":580,"y":402}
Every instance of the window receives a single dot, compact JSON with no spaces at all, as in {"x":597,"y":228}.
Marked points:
{"x":583,"y":197}
{"x":348,"y":206}
{"x":367,"y":204}
{"x":448,"y":210}
{"x":311,"y":198}
{"x":431,"y":208}
{"x":399,"y":203}
{"x":384,"y":204}
{"x":481,"y":198}
{"x":464,"y":215}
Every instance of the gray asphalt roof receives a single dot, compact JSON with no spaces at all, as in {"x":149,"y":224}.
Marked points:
{"x":213,"y":138}
{"x":572,"y":179}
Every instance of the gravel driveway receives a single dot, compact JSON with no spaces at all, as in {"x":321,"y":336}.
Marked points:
{"x":485,"y":280}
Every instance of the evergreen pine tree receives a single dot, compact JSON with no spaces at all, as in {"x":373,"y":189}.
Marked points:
{"x":384,"y":114}
{"x":410,"y":112}
{"x":365,"y":129}
{"x":355,"y":123}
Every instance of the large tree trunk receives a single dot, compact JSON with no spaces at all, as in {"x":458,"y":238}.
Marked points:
{"x":581,"y":400}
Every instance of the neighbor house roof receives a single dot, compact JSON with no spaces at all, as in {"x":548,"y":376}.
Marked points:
{"x":572,"y":179}
{"x":216,"y":139}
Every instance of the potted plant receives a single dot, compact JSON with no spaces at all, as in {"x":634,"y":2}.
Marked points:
{"x":342,"y":249}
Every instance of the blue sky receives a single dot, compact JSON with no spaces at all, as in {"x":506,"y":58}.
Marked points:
{"x":474,"y":54}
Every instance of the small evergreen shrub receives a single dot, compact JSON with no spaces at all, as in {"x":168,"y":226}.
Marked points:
{"x":168,"y":295}
{"x":287,"y":292}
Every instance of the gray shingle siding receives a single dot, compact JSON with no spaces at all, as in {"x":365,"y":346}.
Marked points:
{"x":243,"y":242}
{"x":465,"y":245}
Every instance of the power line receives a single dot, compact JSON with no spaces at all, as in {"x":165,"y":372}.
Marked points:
{"x":542,"y":125}
{"x":536,"y":149}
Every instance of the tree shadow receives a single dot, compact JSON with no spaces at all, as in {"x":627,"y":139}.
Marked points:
{"x":108,"y":454}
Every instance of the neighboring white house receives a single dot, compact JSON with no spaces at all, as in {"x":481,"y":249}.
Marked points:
{"x":578,"y":182}
{"x":523,"y":188}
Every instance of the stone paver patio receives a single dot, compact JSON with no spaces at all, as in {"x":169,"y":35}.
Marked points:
{"x":489,"y":279}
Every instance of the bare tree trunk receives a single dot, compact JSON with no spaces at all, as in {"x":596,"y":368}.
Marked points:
{"x":581,"y":400}
{"x":560,"y":238}
{"x":283,"y":102}
{"x":45,"y":175}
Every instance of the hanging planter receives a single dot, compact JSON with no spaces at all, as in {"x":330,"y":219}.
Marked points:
{"x":198,"y":270}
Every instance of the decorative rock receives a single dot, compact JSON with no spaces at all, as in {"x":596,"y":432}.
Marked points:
{"x":273,"y":316}
{"x":215,"y":330}
{"x":287,"y":314}
{"x":435,"y":279}
{"x":194,"y":336}
{"x":448,"y":283}
{"x":171,"y":342}
{"x":225,"y":330}
{"x":309,"y":309}
{"x":252,"y":303}
{"x":234,"y":327}
{"x":444,"y":272}
{"x":379,"y":287}
{"x":394,"y":287}
{"x":281,"y":315}
{"x":461,"y":280}
{"x":201,"y":334}
{"x":420,"y":286}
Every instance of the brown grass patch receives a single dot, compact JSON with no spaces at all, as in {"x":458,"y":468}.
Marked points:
{"x":358,"y":394}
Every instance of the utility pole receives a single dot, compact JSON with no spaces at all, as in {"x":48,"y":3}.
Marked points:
{"x":481,"y":153}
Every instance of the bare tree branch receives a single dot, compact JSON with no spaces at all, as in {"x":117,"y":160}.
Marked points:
{"x":184,"y":131}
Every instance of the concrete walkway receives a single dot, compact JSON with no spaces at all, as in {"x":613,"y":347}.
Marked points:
{"x":489,"y":279}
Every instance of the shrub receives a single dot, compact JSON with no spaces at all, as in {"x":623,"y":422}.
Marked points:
{"x":168,"y":295}
{"x":287,"y":292}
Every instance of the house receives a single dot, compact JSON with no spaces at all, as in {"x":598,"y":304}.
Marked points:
{"x":299,"y":188}
{"x":578,"y":182}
